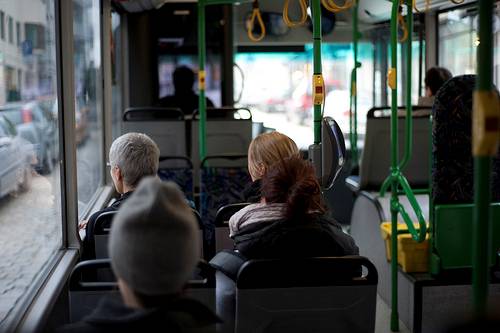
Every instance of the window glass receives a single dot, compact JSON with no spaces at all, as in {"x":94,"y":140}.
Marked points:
{"x":11,"y":30}
{"x":30,"y":190}
{"x":277,"y":88}
{"x":116,"y":74}
{"x":2,"y":25}
{"x":458,"y":41}
{"x":88,"y":99}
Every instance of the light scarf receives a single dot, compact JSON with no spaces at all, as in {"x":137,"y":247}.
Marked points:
{"x":256,"y":213}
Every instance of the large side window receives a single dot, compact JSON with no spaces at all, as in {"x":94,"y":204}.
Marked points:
{"x":458,"y":41}
{"x":116,"y":74}
{"x":277,"y":88}
{"x":30,"y":190}
{"x":88,"y":99}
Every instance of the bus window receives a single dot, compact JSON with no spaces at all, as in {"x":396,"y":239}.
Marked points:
{"x":277,"y":88}
{"x":88,"y":99}
{"x":116,"y":74}
{"x":30,"y":189}
{"x":458,"y":41}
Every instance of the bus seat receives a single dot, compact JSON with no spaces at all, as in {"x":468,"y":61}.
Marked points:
{"x":165,"y":126}
{"x":376,"y":156}
{"x":224,"y":135}
{"x":102,"y":228}
{"x":298,"y":295}
{"x":452,"y":178}
{"x":220,"y":185}
{"x":222,"y":239}
{"x":452,"y":168}
{"x":178,"y":169}
{"x":85,"y":294}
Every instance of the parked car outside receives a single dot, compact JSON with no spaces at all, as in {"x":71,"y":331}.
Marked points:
{"x":16,"y":157}
{"x":37,"y":126}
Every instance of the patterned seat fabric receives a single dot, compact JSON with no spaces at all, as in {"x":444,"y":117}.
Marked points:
{"x":181,"y":176}
{"x":220,"y":186}
{"x":452,"y":161}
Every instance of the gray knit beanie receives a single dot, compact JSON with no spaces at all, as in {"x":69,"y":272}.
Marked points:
{"x":154,"y":246}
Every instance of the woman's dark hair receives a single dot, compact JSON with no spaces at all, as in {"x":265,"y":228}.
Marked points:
{"x":293,"y":181}
{"x":435,"y":77}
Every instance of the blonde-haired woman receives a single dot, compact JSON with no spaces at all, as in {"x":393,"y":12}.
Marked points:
{"x":264,"y":151}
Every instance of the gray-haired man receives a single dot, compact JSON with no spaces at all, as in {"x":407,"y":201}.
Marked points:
{"x":132,"y":157}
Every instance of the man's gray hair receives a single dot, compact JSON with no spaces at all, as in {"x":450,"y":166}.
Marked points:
{"x":136,"y":155}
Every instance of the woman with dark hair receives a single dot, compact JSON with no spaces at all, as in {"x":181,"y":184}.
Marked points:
{"x":290,"y":219}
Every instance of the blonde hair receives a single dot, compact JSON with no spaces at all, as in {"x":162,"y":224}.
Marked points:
{"x":267,"y":149}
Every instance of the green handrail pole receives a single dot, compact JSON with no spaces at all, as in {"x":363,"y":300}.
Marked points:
{"x":316,"y":13}
{"x":409,"y":119}
{"x":202,"y":104}
{"x":482,"y":166}
{"x":394,"y":168}
{"x":353,"y":135}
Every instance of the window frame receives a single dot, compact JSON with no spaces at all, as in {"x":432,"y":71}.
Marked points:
{"x":32,"y":312}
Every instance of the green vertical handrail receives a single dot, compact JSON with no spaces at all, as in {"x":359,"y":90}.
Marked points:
{"x":316,"y":15}
{"x":353,"y":109}
{"x":202,"y":103}
{"x":409,"y":110}
{"x":486,"y":119}
{"x":396,"y":179}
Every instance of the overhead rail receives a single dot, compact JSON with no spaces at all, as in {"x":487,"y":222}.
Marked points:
{"x":256,"y":16}
{"x":303,"y":14}
{"x":396,"y":179}
{"x":353,"y":109}
{"x":486,"y":134}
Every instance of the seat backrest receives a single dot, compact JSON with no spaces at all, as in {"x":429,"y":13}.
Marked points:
{"x":225,"y":135}
{"x":178,"y":169}
{"x":220,"y":186}
{"x":306,"y":295}
{"x":376,"y":155}
{"x":453,"y":180}
{"x":452,"y":167}
{"x":222,"y":239}
{"x":102,"y":227}
{"x":86,"y":287}
{"x":165,"y":126}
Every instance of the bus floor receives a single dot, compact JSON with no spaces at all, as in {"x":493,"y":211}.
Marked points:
{"x":383,"y":318}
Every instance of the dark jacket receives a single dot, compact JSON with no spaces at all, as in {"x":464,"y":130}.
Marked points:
{"x":88,"y":251}
{"x":252,"y":192}
{"x":186,"y":102}
{"x":182,"y":315}
{"x":313,"y":236}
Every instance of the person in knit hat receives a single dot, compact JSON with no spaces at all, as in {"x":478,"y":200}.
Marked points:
{"x":154,"y":248}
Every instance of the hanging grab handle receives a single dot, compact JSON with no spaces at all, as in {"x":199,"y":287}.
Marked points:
{"x":303,"y":14}
{"x":427,"y":6}
{"x":334,"y":8}
{"x":402,"y":24}
{"x":457,"y":2}
{"x":250,"y":25}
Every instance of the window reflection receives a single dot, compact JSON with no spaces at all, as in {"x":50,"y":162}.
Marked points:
{"x":88,"y":99}
{"x":30,"y":191}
